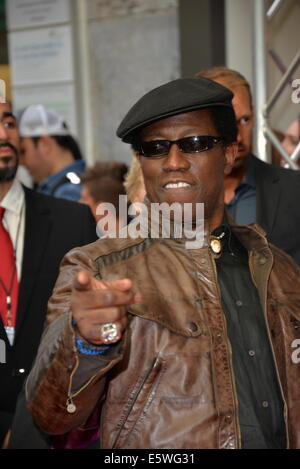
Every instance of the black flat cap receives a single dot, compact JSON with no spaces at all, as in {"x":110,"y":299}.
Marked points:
{"x":172,"y":98}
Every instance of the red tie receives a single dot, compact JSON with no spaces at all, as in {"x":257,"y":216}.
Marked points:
{"x":9,"y":285}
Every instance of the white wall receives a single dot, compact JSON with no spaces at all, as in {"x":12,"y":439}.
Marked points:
{"x":238,"y":34}
{"x":133,"y":47}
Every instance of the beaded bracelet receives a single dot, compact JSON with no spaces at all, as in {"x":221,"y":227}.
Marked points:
{"x":89,"y":349}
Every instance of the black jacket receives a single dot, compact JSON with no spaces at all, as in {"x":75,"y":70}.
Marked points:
{"x":278,"y":205}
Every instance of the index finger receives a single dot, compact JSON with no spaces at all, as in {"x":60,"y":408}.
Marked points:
{"x":84,"y":281}
{"x":123,"y":284}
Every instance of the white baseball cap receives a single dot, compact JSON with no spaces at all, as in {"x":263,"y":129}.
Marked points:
{"x":36,"y":121}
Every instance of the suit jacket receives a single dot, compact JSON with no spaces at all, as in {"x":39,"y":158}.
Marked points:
{"x":278,"y":205}
{"x":52,"y":227}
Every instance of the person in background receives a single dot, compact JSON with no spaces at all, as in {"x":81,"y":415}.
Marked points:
{"x":254,"y":190}
{"x":104,"y":182}
{"x":50,"y":153}
{"x":36,"y":231}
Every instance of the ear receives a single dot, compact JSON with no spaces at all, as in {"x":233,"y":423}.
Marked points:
{"x":230,"y":155}
{"x":45,"y":144}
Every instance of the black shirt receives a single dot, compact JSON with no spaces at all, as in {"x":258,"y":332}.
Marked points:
{"x":242,"y":207}
{"x":260,"y":403}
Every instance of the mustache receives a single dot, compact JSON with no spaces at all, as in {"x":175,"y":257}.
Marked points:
{"x":9,"y":145}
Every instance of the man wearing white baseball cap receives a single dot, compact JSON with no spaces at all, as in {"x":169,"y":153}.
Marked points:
{"x":50,"y":153}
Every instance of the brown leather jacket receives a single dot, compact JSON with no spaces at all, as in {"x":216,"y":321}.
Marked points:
{"x":171,"y":383}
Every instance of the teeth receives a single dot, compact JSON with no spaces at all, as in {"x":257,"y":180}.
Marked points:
{"x":176,"y":185}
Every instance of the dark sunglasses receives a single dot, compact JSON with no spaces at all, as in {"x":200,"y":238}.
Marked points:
{"x":195,"y":144}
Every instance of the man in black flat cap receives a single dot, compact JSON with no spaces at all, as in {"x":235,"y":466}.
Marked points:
{"x":168,"y":344}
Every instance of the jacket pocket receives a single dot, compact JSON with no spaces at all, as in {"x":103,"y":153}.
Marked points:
{"x":139,"y":402}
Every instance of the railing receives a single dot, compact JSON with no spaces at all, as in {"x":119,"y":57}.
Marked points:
{"x":263,"y":106}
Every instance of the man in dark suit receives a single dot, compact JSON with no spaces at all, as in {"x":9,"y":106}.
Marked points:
{"x":40,"y":230}
{"x":256,"y":191}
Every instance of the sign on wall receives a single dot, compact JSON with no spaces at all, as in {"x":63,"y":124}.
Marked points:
{"x":28,"y":14}
{"x":41,"y":55}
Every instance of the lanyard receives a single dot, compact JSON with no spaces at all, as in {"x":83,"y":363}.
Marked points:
{"x":9,"y":328}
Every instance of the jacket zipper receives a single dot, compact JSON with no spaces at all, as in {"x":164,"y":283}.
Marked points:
{"x":151,"y":368}
{"x":230,"y":358}
{"x":264,"y":305}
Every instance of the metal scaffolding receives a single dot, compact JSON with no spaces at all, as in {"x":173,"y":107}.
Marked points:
{"x":263,"y":105}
